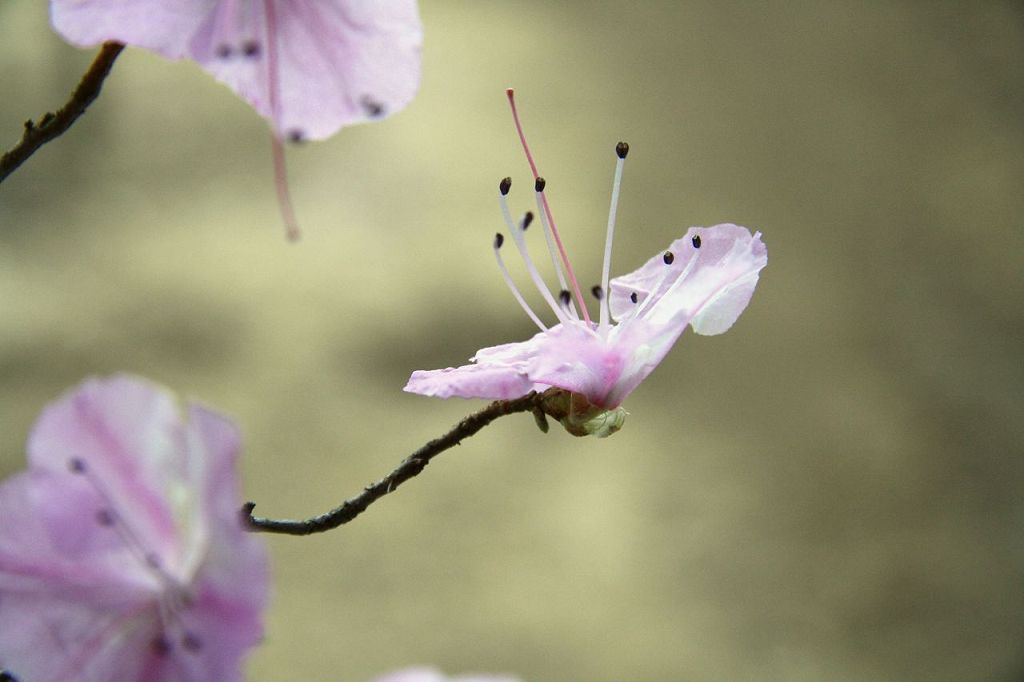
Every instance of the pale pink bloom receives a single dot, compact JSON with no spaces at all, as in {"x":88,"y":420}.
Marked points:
{"x":309,"y":66}
{"x":434,"y":675}
{"x":122,"y":552}
{"x":703,"y":280}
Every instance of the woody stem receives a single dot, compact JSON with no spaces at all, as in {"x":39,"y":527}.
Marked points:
{"x":409,"y":467}
{"x":52,"y":125}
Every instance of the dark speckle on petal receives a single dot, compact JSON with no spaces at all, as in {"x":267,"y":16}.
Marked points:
{"x":76,"y":465}
{"x":224,"y":51}
{"x":296,"y":135}
{"x":251,"y":49}
{"x":372,"y":107}
{"x":191,"y":642}
{"x":105,"y":517}
{"x":161,"y":645}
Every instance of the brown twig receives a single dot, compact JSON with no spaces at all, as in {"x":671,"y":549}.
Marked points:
{"x":538,"y":403}
{"x":52,"y":125}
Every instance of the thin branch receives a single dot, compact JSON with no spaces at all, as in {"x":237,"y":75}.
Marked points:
{"x":53,"y":125}
{"x":538,"y":403}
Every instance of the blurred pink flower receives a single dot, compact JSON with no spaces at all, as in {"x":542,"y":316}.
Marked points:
{"x":122,"y":553}
{"x":309,"y":66}
{"x":434,"y":675}
{"x":704,"y":280}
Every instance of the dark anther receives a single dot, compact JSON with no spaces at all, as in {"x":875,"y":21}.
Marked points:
{"x":76,"y":465}
{"x":296,"y":135}
{"x":372,"y":107}
{"x":564,"y":297}
{"x":539,"y":184}
{"x":527,"y":219}
{"x":622,"y":149}
{"x":161,"y":645}
{"x":504,"y":186}
{"x":597,"y":291}
{"x":499,"y":239}
{"x":7,"y":676}
{"x":668,"y":257}
{"x":191,"y":642}
{"x":251,"y":49}
{"x":633,"y":297}
{"x":696,"y":241}
{"x":105,"y":517}
{"x":224,"y":51}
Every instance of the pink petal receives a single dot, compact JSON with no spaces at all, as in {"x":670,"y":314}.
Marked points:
{"x":128,"y":433}
{"x":579,"y":360}
{"x":34,"y":556}
{"x":709,"y":293}
{"x":62,"y":614}
{"x":163,"y":26}
{"x":344,"y":62}
{"x":491,"y":382}
{"x":497,"y":373}
{"x":232,"y":580}
{"x":66,"y":640}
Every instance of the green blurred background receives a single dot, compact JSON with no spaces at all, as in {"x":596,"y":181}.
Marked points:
{"x":830,"y":491}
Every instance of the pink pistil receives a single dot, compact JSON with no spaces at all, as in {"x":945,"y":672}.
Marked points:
{"x":284,"y":199}
{"x":547,"y":210}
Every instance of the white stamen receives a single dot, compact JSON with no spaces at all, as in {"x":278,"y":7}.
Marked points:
{"x":605,"y":305}
{"x":553,"y":251}
{"x":517,"y":237}
{"x":515,"y":290}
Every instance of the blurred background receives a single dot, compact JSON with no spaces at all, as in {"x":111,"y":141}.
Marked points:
{"x":831,"y":490}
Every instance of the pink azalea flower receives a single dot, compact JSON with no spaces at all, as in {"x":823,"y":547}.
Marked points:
{"x":122,"y":554}
{"x":704,"y":280}
{"x":309,"y":66}
{"x":433,"y":675}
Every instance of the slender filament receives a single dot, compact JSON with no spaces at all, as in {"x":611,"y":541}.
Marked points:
{"x":553,"y":251}
{"x":515,"y":290}
{"x":517,"y":237}
{"x":605,"y":304}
